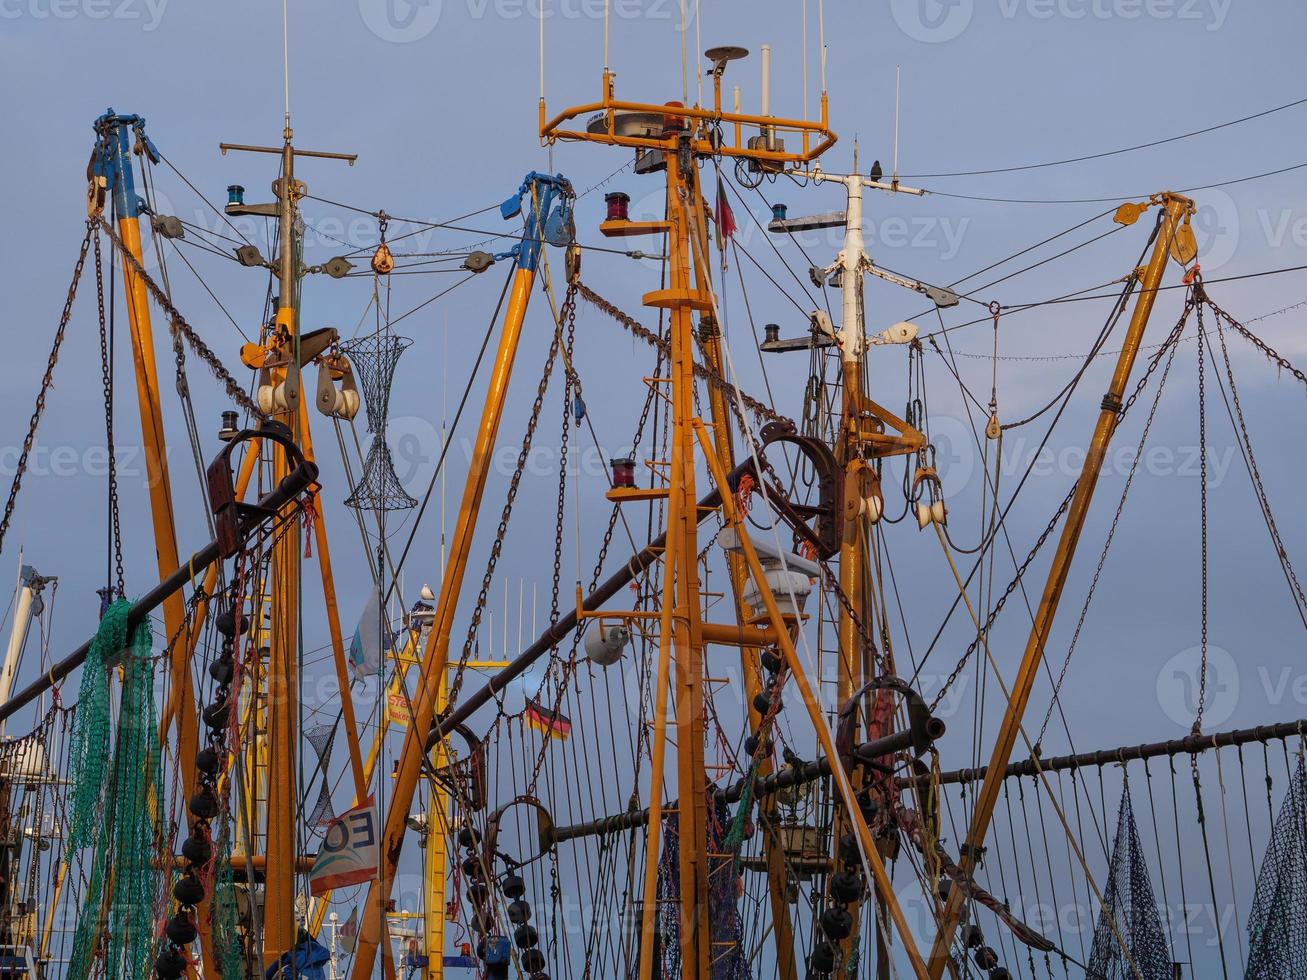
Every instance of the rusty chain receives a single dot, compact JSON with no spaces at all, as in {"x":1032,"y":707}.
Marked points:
{"x":711,"y":377}
{"x":1270,"y":352}
{"x":498,"y":546}
{"x":570,"y":389}
{"x":1254,"y":470}
{"x":46,"y":381}
{"x":106,"y":381}
{"x":177,"y":324}
{"x":1202,"y":494}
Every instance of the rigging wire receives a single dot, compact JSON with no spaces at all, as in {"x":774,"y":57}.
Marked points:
{"x":444,"y":449}
{"x":1118,"y":197}
{"x":1115,"y":152}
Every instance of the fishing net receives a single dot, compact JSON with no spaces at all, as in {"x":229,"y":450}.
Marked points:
{"x":117,"y":801}
{"x":226,"y":930}
{"x":724,"y":927}
{"x":1277,"y":924}
{"x":373,"y":358}
{"x":1129,"y":913}
{"x":322,"y":737}
{"x":379,"y":487}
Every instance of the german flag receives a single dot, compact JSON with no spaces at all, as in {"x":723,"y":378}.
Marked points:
{"x":553,"y":723}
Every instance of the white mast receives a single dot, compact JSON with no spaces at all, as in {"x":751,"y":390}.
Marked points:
{"x":27,"y":603}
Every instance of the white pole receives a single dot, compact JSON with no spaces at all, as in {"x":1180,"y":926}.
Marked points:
{"x":898,"y":72}
{"x":805,"y":59}
{"x":29,"y":584}
{"x":852,"y":331}
{"x":766,"y":80}
{"x":332,"y":929}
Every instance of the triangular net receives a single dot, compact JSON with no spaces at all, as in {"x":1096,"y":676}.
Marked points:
{"x":322,"y":737}
{"x":1277,"y":924}
{"x":1129,"y":941}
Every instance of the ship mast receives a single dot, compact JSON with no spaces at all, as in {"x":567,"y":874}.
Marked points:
{"x":679,"y":137}
{"x":862,"y":438}
{"x":281,"y":695}
{"x":1172,"y":238}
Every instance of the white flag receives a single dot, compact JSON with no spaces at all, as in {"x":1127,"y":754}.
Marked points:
{"x":365,"y":648}
{"x":349,"y":932}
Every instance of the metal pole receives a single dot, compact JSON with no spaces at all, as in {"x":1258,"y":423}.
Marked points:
{"x":290,"y":488}
{"x":1175,"y":207}
{"x":279,"y":928}
{"x":436,"y":656}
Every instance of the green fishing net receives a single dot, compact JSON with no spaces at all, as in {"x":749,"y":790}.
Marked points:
{"x":117,"y":803}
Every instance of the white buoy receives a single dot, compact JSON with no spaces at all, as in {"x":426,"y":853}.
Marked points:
{"x":604,"y":645}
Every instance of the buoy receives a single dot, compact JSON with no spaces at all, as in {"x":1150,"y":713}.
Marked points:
{"x":606,"y":644}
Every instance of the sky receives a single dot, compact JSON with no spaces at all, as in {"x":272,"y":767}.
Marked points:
{"x":440,"y":100}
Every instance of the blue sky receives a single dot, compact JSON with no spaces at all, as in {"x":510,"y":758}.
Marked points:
{"x":440,"y":101}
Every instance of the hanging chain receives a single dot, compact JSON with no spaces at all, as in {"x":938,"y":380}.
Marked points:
{"x":1202,"y":493}
{"x":1062,"y":508}
{"x":1254,"y":470}
{"x":177,"y":325}
{"x":498,"y":546}
{"x":711,"y":377}
{"x":1270,"y":352}
{"x":106,"y":379}
{"x":46,"y":380}
{"x":568,"y":314}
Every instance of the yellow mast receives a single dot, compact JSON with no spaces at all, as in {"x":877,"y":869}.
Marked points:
{"x":538,"y":193}
{"x":115,"y":133}
{"x":1172,"y":237}
{"x":282,"y":674}
{"x":627,"y":124}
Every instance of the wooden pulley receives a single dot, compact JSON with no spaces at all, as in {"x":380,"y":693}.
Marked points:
{"x":572,"y":262}
{"x":926,"y":474}
{"x":930,"y":510}
{"x":993,"y":430}
{"x":382,"y":260}
{"x":271,"y":398}
{"x":932,"y":513}
{"x":95,"y":191}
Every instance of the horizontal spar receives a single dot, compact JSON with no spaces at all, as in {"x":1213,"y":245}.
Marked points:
{"x":295,"y":483}
{"x":812,"y":771}
{"x":786,"y":778}
{"x":558,"y":631}
{"x":1189,"y":745}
